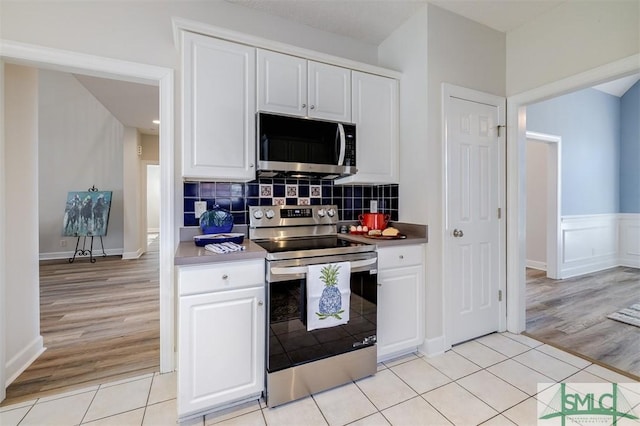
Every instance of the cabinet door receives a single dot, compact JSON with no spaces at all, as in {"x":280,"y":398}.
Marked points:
{"x":218,"y":109}
{"x":282,"y":83}
{"x":329,"y":92}
{"x":400,"y":311}
{"x":221,"y":348}
{"x":375,"y":113}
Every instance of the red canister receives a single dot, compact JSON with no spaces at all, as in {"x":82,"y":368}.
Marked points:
{"x":374,"y":220}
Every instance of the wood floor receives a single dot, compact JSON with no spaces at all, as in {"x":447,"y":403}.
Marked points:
{"x":571,"y":314}
{"x":100,"y":322}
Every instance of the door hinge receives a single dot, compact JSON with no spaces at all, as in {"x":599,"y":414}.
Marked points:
{"x":499,"y":129}
{"x":499,"y":295}
{"x":499,"y":213}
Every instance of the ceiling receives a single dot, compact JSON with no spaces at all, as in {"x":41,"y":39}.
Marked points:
{"x":370,"y":21}
{"x":618,"y":87}
{"x":134,"y":105}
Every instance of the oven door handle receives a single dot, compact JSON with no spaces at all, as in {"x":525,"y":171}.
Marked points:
{"x":289,"y":270}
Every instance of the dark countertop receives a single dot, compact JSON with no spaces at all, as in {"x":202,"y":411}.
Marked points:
{"x":416,"y":234}
{"x":188,"y":253}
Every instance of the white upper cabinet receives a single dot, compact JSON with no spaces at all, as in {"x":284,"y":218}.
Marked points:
{"x":296,"y":86}
{"x":329,"y":92}
{"x":376,"y":115}
{"x":218,"y":109}
{"x":282,"y":83}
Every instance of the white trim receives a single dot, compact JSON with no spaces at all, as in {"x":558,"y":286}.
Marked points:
{"x":16,"y":365}
{"x":592,"y":243}
{"x":534,"y":264}
{"x":449,"y":91}
{"x":67,"y":61}
{"x":182,"y":24}
{"x":97,"y":253}
{"x":434,"y":347}
{"x":132,"y":254}
{"x":516,"y":132}
{"x":554,"y":204}
{"x":3,"y":319}
{"x":144,"y":228}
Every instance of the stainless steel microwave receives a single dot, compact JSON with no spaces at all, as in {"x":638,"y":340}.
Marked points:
{"x":302,"y":147}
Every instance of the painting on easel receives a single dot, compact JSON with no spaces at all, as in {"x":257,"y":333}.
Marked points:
{"x":86,"y":214}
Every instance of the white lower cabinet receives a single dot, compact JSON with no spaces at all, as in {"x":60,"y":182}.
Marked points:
{"x":221,"y":340}
{"x":400,"y":300}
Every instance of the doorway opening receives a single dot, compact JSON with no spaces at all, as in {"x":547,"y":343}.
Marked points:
{"x":137,"y":73}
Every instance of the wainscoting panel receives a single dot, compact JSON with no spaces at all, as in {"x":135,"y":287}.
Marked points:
{"x":629,"y":250}
{"x":589,"y":244}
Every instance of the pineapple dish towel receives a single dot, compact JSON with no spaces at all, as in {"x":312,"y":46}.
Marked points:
{"x":328,"y":294}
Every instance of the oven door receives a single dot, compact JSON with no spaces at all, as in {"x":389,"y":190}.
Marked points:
{"x":288,"y":341}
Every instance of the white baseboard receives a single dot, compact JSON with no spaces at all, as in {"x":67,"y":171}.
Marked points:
{"x":132,"y":254}
{"x":69,"y":254}
{"x":18,"y":363}
{"x":535,"y":264}
{"x":433,"y":347}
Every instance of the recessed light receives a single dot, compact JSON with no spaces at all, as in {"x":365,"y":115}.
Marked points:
{"x":156,"y":121}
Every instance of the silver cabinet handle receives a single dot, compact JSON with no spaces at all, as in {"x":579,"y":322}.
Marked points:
{"x":225,"y":277}
{"x":312,"y":107}
{"x":260,"y":303}
{"x":304,"y":105}
{"x":458,"y":233}
{"x":401,"y":257}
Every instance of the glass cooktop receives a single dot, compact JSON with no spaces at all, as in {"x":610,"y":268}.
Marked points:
{"x":305,"y":244}
{"x":306,"y":247}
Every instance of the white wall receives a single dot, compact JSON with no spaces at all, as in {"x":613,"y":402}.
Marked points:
{"x":23,"y":341}
{"x":537,"y":195}
{"x":133,"y":245}
{"x":571,"y":38}
{"x":141,"y":31}
{"x":153,"y":197}
{"x":406,"y":49}
{"x":433,"y":47}
{"x":80,"y":144}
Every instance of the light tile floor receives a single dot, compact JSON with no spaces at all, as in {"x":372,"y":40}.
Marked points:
{"x":491,"y":380}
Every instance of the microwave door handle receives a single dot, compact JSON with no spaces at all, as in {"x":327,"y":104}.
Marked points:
{"x":343,"y":144}
{"x":290,"y":270}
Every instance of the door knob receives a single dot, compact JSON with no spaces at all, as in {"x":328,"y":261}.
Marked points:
{"x":458,"y":233}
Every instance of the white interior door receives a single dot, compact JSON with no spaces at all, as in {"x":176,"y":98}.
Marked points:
{"x":473,"y":236}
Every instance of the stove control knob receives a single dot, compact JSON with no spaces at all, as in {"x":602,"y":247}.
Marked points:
{"x":321,"y":212}
{"x":270,"y":214}
{"x":258,"y":214}
{"x":331,"y":212}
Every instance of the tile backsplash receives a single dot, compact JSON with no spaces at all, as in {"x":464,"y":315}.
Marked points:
{"x":351,"y":200}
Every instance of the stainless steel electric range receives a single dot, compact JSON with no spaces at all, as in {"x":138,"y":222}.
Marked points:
{"x":301,"y":361}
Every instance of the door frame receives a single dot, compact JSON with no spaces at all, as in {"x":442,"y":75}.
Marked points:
{"x":516,"y":179}
{"x":554,"y":199}
{"x":73,"y":62}
{"x":452,"y":91}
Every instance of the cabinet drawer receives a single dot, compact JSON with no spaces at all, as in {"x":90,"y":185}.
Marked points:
{"x":399,"y":256}
{"x":196,"y":279}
